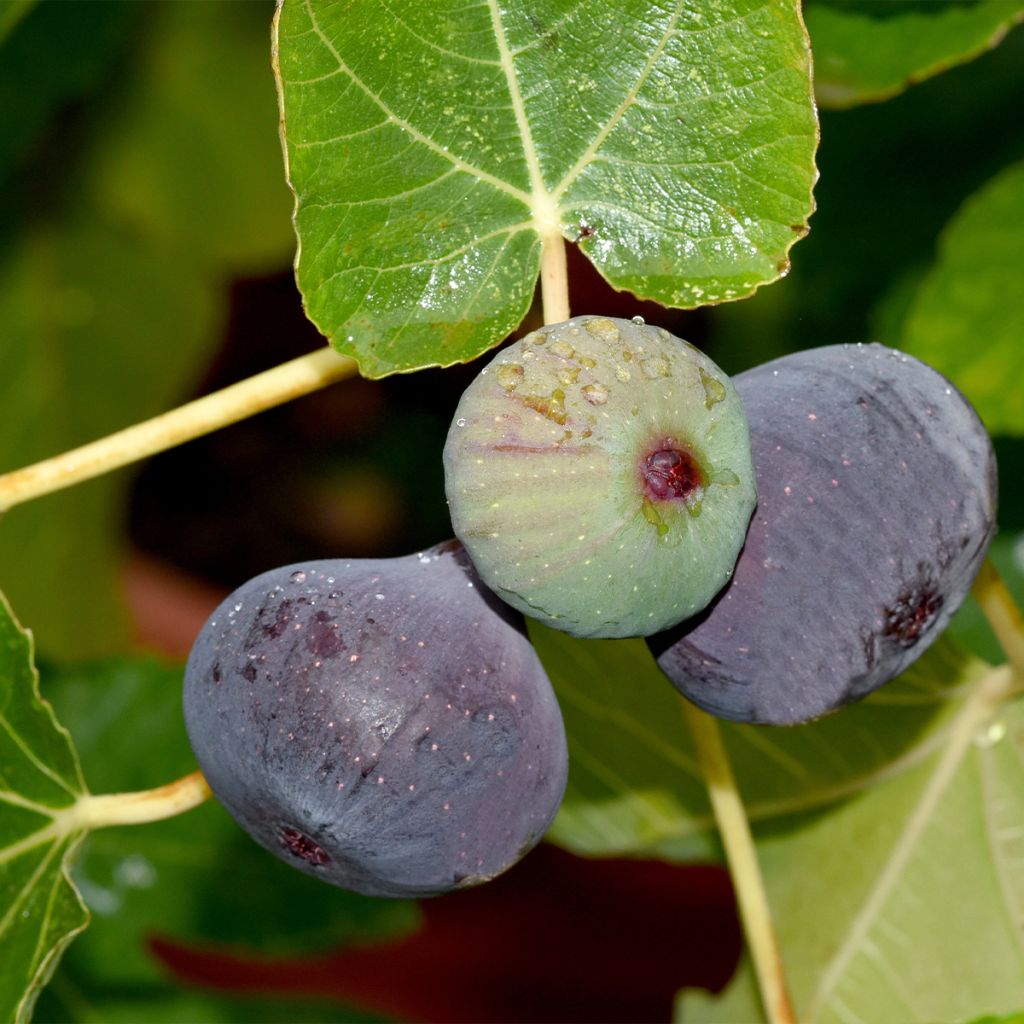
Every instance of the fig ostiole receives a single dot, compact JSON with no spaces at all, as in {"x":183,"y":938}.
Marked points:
{"x":598,"y":472}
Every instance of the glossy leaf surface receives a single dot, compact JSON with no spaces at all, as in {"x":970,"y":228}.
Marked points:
{"x":433,"y":150}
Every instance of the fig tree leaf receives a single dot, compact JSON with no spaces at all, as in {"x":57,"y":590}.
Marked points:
{"x":433,"y":149}
{"x":634,"y":783}
{"x":40,"y":783}
{"x":903,"y":904}
{"x":967,"y":319}
{"x":194,"y":878}
{"x":868,"y":51}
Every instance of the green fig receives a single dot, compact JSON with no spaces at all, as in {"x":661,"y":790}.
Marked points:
{"x":598,"y":473}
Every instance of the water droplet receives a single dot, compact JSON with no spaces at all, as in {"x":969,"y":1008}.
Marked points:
{"x":714,"y":389}
{"x":298,"y":577}
{"x":563,"y":348}
{"x":461,"y":421}
{"x":656,"y":366}
{"x":639,"y":321}
{"x":601,"y":327}
{"x":510,"y":375}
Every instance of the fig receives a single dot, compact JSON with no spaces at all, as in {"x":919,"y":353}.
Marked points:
{"x":876,"y":504}
{"x":382,"y":724}
{"x":599,"y":474}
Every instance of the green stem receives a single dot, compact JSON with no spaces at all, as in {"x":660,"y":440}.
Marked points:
{"x":92,"y":812}
{"x":1003,"y":615}
{"x":204,"y":415}
{"x":741,"y":855}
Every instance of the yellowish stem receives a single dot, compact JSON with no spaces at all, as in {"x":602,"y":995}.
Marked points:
{"x":554,"y":279}
{"x":138,"y":808}
{"x":204,"y":415}
{"x":741,"y":855}
{"x":1003,"y":615}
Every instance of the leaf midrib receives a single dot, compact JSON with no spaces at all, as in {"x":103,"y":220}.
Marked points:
{"x":543,"y":203}
{"x":990,"y":693}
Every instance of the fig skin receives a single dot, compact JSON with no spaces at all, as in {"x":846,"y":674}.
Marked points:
{"x":384,"y":725}
{"x":598,"y":472}
{"x":876,"y":504}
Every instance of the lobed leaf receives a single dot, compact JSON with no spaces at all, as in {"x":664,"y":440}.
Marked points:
{"x":434,"y":150}
{"x":40,"y":781}
{"x":869,"y":51}
{"x":967,"y":317}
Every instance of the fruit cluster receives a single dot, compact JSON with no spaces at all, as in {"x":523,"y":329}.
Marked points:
{"x":386,"y":724}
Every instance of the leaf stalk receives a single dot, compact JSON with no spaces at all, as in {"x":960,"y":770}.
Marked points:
{"x":554,"y":279}
{"x":741,"y":856}
{"x":92,"y":812}
{"x":204,"y":415}
{"x":1003,"y":615}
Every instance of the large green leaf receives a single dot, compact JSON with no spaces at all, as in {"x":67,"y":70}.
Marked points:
{"x":40,"y":780}
{"x":634,"y":783}
{"x":432,"y":148}
{"x":967,"y":318}
{"x":195,"y":878}
{"x":868,"y":51}
{"x":904,"y":904}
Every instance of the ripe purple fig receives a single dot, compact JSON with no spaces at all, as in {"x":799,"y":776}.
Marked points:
{"x":384,"y":725}
{"x":876,"y":504}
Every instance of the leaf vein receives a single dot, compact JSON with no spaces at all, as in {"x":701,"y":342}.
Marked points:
{"x":415,"y":133}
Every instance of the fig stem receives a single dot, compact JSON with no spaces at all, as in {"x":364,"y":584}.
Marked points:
{"x":92,"y":812}
{"x":741,"y":855}
{"x":1002,"y":614}
{"x":554,"y":279}
{"x":229,"y":405}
